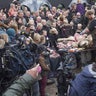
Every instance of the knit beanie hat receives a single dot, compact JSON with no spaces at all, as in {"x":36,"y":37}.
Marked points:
{"x":11,"y":32}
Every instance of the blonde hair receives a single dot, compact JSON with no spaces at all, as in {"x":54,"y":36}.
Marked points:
{"x":53,"y":31}
{"x":40,"y":24}
{"x":78,"y":1}
{"x":38,"y":39}
{"x":4,"y":37}
{"x":2,"y":43}
{"x":31,"y":22}
{"x":89,"y":12}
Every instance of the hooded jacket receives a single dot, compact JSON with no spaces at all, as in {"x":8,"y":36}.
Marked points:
{"x":84,"y":83}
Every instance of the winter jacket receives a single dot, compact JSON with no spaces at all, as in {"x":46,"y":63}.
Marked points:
{"x":44,"y":65}
{"x":84,"y":83}
{"x":19,"y":86}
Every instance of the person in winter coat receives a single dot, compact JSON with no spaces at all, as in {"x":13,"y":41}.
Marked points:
{"x":53,"y":36}
{"x":24,"y":83}
{"x":85,"y":82}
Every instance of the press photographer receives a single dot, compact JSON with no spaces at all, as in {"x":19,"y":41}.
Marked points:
{"x":65,"y":72}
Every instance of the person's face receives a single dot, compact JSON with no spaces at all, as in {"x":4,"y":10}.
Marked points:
{"x":74,"y":7}
{"x":11,"y":22}
{"x":43,"y":22}
{"x":54,"y":9}
{"x":32,"y":27}
{"x":54,"y":24}
{"x":39,"y":27}
{"x":45,"y":33}
{"x":48,"y":12}
{"x":4,"y":17}
{"x":42,"y":13}
{"x":25,"y":9}
{"x":13,"y":6}
{"x":21,"y":14}
{"x":38,"y":19}
{"x":28,"y":14}
{"x":79,"y":26}
{"x":90,"y":16}
{"x":31,"y":22}
{"x":51,"y":17}
{"x":37,"y":13}
{"x":20,"y":21}
{"x":78,"y":15}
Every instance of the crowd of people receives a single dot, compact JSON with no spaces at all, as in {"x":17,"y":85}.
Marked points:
{"x":43,"y":33}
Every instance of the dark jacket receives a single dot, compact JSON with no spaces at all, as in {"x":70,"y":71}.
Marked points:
{"x":19,"y":86}
{"x":84,"y":83}
{"x":53,"y":40}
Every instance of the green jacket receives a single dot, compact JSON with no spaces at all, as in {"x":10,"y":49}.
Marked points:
{"x":19,"y":86}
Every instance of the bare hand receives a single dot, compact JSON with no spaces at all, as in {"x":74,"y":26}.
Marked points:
{"x":34,"y":71}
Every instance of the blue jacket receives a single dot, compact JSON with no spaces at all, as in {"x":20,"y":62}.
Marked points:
{"x":84,"y":83}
